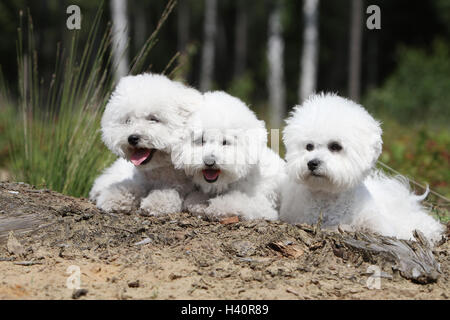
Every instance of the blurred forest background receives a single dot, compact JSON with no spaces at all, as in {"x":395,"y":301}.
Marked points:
{"x":270,"y":53}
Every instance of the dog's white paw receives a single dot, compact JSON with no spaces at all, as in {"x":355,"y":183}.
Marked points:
{"x":161,"y":202}
{"x":123,"y":202}
{"x":238,"y":204}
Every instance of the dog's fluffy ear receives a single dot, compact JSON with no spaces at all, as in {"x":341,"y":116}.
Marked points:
{"x":192,"y":100}
{"x":186,"y":99}
{"x":255,"y":142}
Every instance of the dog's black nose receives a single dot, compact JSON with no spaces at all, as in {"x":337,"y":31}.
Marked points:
{"x":209,"y":161}
{"x":313,"y":164}
{"x":133,"y":139}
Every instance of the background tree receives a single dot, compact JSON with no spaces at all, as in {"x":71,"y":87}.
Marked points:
{"x":208,"y":52}
{"x":120,"y":37}
{"x":354,"y":73}
{"x":309,"y":59}
{"x":275,"y":76}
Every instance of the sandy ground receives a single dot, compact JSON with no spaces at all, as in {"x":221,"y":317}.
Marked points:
{"x":182,"y":257}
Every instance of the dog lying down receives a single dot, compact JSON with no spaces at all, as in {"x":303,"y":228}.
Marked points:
{"x":143,"y":119}
{"x":332,"y":146}
{"x":227,"y":158}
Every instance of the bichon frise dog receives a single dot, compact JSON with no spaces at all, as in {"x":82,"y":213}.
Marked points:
{"x":332,"y":145}
{"x":229,"y":161}
{"x":143,"y":119}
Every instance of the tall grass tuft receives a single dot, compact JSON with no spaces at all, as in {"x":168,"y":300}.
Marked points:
{"x":53,"y":129}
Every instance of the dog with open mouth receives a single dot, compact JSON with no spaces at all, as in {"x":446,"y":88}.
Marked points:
{"x":332,"y":145}
{"x":143,"y":119}
{"x":227,"y":158}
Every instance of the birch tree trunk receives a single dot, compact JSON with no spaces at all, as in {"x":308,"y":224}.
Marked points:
{"x":240,"y":44}
{"x":354,"y":73}
{"x":119,"y":37}
{"x":309,"y":60}
{"x":275,"y":79}
{"x":209,"y":33}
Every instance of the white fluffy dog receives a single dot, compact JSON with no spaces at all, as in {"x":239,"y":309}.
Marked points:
{"x":229,"y":161}
{"x":143,"y":119}
{"x":332,"y":146}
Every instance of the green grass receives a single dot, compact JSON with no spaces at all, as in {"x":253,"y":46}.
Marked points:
{"x":50,"y":133}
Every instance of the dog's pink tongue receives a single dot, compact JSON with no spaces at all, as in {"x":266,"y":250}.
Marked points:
{"x":211,"y":174}
{"x":139,"y":156}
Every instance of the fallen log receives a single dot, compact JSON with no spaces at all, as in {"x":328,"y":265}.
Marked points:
{"x":413,"y":259}
{"x":24,"y":209}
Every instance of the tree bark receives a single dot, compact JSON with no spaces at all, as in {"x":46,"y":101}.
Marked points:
{"x":119,"y":37}
{"x":354,"y":73}
{"x":275,"y":79}
{"x":208,"y":51}
{"x":309,"y":59}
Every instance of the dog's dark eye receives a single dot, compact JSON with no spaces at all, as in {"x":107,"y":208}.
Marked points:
{"x":225,"y":142}
{"x":335,"y":147}
{"x":152,"y":118}
{"x":310,"y":147}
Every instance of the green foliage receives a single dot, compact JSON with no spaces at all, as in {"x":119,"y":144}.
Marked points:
{"x":414,"y":104}
{"x":419,"y":153}
{"x":242,"y":87}
{"x":52,"y":130}
{"x":419,"y":89}
{"x":442,"y":9}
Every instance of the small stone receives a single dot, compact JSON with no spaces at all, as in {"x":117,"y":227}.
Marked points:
{"x":174,"y":276}
{"x":338,"y":287}
{"x":134,"y":284}
{"x":14,"y":246}
{"x":243,"y":248}
{"x":77,"y":293}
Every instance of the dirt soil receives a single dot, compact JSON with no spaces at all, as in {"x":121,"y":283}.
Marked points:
{"x":183,"y":257}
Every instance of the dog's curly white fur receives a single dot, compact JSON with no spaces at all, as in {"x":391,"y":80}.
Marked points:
{"x":229,"y":161}
{"x":143,"y":119}
{"x":332,"y":146}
